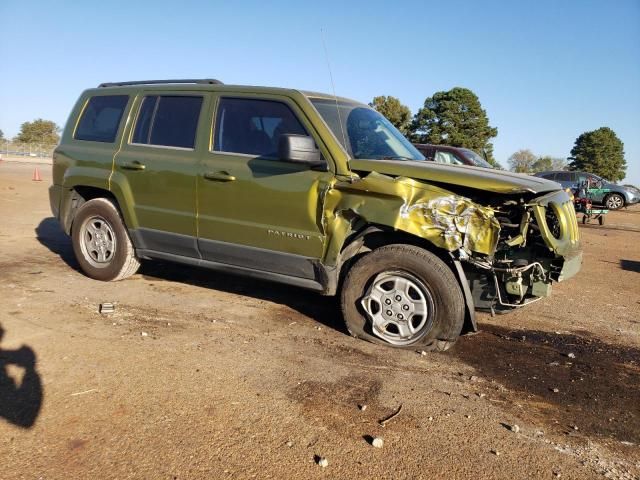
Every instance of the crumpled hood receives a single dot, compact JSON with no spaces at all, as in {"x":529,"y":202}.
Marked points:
{"x":498,"y":181}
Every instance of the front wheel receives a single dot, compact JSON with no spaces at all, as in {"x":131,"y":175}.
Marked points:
{"x":403,"y":296}
{"x":101,"y":243}
{"x":614,"y":201}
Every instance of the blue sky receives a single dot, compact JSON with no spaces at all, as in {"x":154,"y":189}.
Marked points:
{"x":545,"y":71}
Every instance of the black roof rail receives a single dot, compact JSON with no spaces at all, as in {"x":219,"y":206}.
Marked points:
{"x":206,"y":81}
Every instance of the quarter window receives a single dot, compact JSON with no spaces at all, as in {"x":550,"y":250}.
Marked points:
{"x":169,"y":121}
{"x":101,"y":118}
{"x":253,"y":127}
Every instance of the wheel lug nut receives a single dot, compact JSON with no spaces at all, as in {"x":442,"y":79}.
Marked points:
{"x":388,"y":301}
{"x":389,"y":312}
{"x":398,"y":297}
{"x":405,"y":307}
{"x":400,"y":316}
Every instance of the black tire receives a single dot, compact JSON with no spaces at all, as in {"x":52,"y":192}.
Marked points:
{"x":446,"y":306}
{"x":614,"y":201}
{"x":119,"y":260}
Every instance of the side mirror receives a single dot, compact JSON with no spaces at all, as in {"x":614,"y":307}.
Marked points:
{"x":298,"y":149}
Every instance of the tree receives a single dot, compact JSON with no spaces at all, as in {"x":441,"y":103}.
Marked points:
{"x":455,"y":118}
{"x":558,"y":163}
{"x":547,"y":162}
{"x":542,"y":164}
{"x":1,"y":136}
{"x":601,"y":152}
{"x":522,"y":161}
{"x":397,"y":113}
{"x":44,"y":132}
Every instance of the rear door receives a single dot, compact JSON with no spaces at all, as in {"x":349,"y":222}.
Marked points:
{"x":157,"y":168}
{"x":256,"y":210}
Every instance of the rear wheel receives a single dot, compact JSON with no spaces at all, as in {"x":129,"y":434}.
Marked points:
{"x":403,"y":296}
{"x":614,"y":201}
{"x":101,"y":243}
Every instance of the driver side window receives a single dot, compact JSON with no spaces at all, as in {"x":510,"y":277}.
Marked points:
{"x":253,"y":127}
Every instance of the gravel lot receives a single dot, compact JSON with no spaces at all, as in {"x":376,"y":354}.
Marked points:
{"x":202,"y":375}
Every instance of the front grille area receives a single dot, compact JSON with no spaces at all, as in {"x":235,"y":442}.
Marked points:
{"x":556,"y":217}
{"x":553,"y":221}
{"x":572,"y":221}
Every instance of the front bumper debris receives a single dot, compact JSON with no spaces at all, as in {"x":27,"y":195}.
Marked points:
{"x":543,"y":248}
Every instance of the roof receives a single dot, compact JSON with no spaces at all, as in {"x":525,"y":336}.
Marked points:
{"x":210,"y":84}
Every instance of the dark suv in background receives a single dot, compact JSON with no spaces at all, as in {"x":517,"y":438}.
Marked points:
{"x":451,"y":155}
{"x":617,"y":197}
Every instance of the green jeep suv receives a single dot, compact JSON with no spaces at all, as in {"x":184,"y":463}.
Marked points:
{"x":310,"y":190}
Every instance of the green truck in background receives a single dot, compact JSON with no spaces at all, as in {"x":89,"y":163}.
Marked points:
{"x":310,"y":190}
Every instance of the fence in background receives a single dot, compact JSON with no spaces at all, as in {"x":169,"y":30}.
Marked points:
{"x":26,"y":149}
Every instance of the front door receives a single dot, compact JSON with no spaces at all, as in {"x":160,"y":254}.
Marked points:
{"x":158,"y":168}
{"x":255,"y":210}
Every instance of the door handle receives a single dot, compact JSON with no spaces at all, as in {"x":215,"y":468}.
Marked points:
{"x":133,"y":166}
{"x":219,"y":176}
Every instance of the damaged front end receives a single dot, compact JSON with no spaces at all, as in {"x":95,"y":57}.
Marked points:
{"x":511,"y":246}
{"x":538,"y":244}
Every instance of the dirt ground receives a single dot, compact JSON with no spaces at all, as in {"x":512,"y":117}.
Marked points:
{"x":202,"y":375}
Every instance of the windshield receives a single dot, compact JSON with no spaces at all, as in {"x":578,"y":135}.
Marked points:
{"x":476,"y":159}
{"x":364,"y":132}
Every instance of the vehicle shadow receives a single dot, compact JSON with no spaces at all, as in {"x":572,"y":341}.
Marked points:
{"x":20,"y":400}
{"x":50,"y":234}
{"x":630,"y":265}
{"x":591,"y":384}
{"x":322,"y":309}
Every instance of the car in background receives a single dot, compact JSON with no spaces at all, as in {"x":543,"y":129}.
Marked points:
{"x":617,"y":197}
{"x":451,"y":155}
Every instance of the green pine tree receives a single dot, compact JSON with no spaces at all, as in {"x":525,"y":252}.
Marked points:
{"x":455,"y":118}
{"x":397,"y":113}
{"x":601,"y":152}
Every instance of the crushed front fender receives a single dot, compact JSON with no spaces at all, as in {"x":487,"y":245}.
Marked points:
{"x":447,"y":220}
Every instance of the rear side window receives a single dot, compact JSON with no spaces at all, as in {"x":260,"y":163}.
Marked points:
{"x":253,"y":127}
{"x":169,"y":121}
{"x":100,"y":118}
{"x":563,"y":177}
{"x":549,"y":176}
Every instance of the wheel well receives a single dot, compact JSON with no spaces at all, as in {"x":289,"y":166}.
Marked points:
{"x":80,"y":195}
{"x":624,"y":200}
{"x":89,"y":193}
{"x":375,"y":236}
